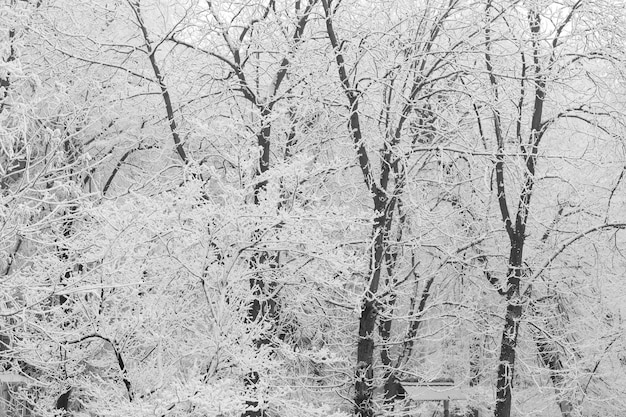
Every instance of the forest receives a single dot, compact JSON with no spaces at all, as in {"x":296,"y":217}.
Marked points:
{"x":285,"y":208}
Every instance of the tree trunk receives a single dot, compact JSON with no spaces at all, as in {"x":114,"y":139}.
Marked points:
{"x":63,"y":401}
{"x":264,"y":303}
{"x":365,"y":359}
{"x":507,"y":359}
{"x":506,"y":367}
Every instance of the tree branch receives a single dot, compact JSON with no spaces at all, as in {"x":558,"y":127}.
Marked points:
{"x":504,"y":208}
{"x":167,"y":101}
{"x":570,"y":241}
{"x":353,"y":99}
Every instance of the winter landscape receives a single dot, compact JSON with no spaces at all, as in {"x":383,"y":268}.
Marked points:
{"x":285,"y":208}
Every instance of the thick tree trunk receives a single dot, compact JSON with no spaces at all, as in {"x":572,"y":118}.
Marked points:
{"x":506,"y":367}
{"x":365,"y":359}
{"x":364,"y":374}
{"x":264,"y":304}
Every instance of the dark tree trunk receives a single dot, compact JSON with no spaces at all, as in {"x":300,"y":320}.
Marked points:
{"x":365,"y":359}
{"x":516,"y":231}
{"x":507,"y":360}
{"x":369,"y":314}
{"x":63,"y":401}
{"x":506,"y":367}
{"x":265,"y":304}
{"x":394,"y":390}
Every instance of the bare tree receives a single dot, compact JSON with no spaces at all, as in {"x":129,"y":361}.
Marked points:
{"x":544,"y":58}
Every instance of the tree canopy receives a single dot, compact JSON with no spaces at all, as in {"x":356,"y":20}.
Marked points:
{"x":303,"y":207}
